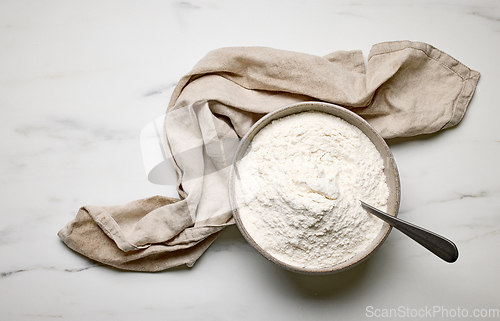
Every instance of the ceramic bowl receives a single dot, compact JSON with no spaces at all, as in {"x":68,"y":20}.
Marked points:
{"x":390,"y":170}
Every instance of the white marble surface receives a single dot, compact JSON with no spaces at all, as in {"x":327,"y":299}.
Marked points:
{"x":80,"y":79}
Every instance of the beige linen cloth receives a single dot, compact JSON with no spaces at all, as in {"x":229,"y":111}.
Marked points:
{"x":405,"y":89}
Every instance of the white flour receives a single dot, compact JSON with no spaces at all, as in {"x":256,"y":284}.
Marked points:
{"x":299,"y":188}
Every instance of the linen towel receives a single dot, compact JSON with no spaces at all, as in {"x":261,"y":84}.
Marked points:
{"x":405,"y":89}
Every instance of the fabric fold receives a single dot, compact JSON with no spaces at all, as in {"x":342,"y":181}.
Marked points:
{"x":405,"y":89}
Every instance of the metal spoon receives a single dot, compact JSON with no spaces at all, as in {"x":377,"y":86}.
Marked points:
{"x":442,"y":247}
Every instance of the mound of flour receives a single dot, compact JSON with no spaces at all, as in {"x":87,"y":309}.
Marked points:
{"x":299,"y":186}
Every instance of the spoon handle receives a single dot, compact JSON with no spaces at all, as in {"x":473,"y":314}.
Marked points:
{"x":442,"y":247}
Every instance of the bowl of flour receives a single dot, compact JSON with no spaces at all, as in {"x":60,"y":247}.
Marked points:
{"x":296,"y":181}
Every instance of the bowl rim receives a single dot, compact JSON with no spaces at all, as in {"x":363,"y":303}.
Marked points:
{"x":390,"y":167}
